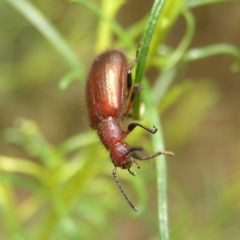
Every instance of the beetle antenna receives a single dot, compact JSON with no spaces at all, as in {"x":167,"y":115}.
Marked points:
{"x":122,"y":190}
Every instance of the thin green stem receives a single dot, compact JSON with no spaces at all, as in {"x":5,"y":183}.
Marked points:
{"x":116,"y":28}
{"x":147,"y":37}
{"x":158,"y":145}
{"x":177,"y":55}
{"x":162,"y":84}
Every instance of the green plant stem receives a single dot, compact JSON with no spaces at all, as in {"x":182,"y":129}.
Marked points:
{"x":116,"y":28}
{"x":177,"y":55}
{"x":158,"y":144}
{"x":147,"y":37}
{"x":162,"y":84}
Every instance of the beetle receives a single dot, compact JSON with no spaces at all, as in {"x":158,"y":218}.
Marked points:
{"x":109,"y":98}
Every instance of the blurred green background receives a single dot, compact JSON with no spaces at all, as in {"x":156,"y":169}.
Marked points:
{"x":55,"y":176}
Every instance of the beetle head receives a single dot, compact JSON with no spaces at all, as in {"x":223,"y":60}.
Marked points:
{"x":120,"y":156}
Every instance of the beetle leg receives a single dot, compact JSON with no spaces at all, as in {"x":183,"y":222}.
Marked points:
{"x":136,"y":89}
{"x":135,"y":155}
{"x":131,"y":126}
{"x":129,"y":74}
{"x":134,"y":149}
{"x":132,"y":173}
{"x":138,"y":166}
{"x":129,"y":82}
{"x":134,"y":61}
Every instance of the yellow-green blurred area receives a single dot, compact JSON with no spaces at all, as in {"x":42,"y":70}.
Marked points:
{"x":56,"y":177}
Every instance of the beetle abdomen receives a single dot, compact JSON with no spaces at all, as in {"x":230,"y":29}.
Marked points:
{"x":106,"y":89}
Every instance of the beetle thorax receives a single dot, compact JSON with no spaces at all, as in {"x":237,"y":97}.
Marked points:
{"x":110,"y":132}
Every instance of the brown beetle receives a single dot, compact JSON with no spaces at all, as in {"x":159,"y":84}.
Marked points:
{"x":109,"y":99}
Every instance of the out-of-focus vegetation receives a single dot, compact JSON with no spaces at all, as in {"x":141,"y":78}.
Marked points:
{"x":55,"y":176}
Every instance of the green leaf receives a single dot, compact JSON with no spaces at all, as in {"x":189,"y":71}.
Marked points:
{"x":42,"y":24}
{"x":213,"y":50}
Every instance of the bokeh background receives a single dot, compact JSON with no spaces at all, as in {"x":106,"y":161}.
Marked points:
{"x":202,"y":127}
